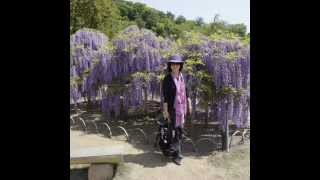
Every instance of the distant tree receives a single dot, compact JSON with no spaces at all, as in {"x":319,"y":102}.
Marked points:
{"x":111,"y":16}
{"x":140,"y":22}
{"x":170,"y":15}
{"x":239,"y":29}
{"x":180,"y":19}
{"x":159,"y":29}
{"x":126,"y":9}
{"x":217,"y":25}
{"x":82,"y":15}
{"x":199,"y":21}
{"x":102,"y":15}
{"x":150,"y":17}
{"x":216,"y":18}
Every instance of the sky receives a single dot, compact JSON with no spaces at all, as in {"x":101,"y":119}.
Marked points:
{"x":232,"y":11}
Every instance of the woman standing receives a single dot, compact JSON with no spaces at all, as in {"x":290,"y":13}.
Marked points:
{"x":175,"y":104}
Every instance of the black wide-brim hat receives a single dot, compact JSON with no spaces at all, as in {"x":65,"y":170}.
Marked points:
{"x":175,"y":59}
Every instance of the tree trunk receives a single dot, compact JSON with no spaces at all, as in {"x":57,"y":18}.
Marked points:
{"x":89,"y":102}
{"x":188,"y":118}
{"x":226,"y":133}
{"x":188,"y":107}
{"x":145,"y":100}
{"x":207,"y":116}
{"x":161,"y":99}
{"x":193,"y":104}
{"x":99,"y":98}
{"x":227,"y":136}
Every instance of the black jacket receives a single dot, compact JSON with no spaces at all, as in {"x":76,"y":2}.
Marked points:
{"x":169,"y":94}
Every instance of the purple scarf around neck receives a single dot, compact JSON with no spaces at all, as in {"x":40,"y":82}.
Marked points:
{"x":180,"y":103}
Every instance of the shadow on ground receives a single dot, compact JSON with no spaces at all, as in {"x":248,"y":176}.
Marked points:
{"x":79,"y":174}
{"x":148,"y":159}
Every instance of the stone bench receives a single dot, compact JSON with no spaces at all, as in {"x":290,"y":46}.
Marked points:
{"x":100,"y":161}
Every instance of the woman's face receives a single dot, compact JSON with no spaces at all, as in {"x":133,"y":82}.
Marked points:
{"x":175,"y":67}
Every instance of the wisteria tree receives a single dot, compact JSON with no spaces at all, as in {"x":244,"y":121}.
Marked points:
{"x":194,"y":75}
{"x":87,"y":46}
{"x":144,"y":79}
{"x":135,"y":62}
{"x":126,"y":70}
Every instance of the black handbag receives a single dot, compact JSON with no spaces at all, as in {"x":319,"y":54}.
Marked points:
{"x":165,"y":136}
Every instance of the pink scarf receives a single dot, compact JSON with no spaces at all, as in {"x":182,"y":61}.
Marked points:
{"x":180,"y":100}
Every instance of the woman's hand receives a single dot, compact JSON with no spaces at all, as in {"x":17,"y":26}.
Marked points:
{"x":166,"y":115}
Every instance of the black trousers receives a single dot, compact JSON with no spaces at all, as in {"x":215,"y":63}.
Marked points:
{"x":176,"y":140}
{"x":175,"y":135}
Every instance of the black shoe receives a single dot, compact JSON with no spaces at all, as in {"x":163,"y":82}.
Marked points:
{"x":177,"y":161}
